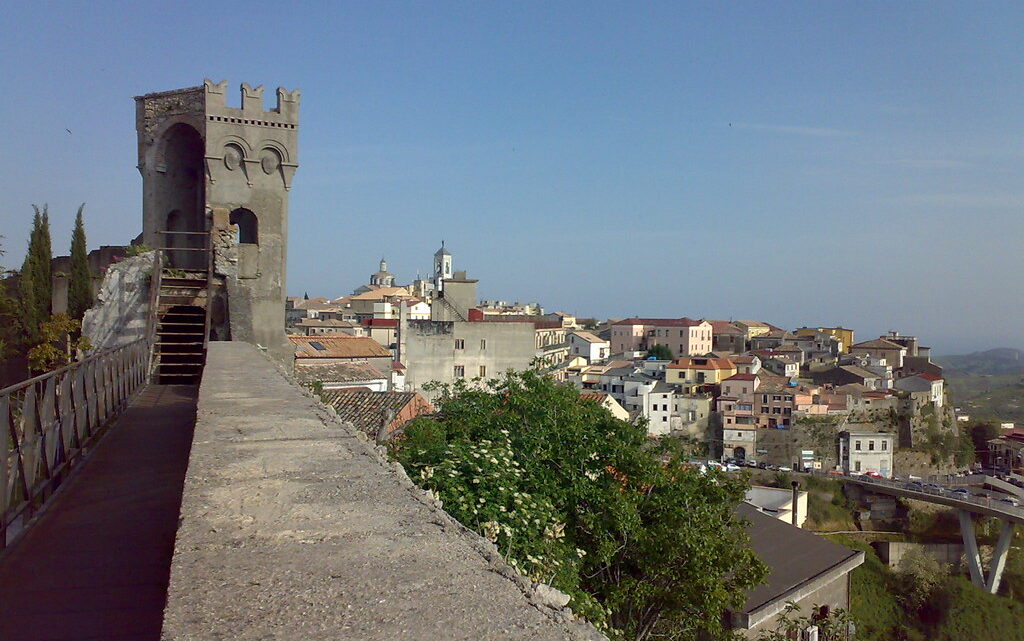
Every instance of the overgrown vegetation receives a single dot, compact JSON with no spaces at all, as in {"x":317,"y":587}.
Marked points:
{"x":645,"y":547}
{"x":921,"y":601}
{"x":660,"y":352}
{"x":80,"y":282}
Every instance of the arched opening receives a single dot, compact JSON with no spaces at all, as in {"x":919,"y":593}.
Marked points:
{"x":182,"y":195}
{"x":248,"y":226}
{"x":739,"y":453}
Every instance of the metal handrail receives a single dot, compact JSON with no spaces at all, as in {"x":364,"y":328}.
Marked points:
{"x":54,"y":419}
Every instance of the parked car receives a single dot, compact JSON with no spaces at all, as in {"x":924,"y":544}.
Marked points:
{"x":783,"y":468}
{"x":875,"y":475}
{"x":961,"y":492}
{"x":1009,"y":499}
{"x":732,"y":467}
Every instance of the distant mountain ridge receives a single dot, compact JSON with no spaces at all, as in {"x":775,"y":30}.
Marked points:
{"x":1002,"y":360}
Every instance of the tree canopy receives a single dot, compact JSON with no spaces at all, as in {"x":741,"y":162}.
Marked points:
{"x":660,"y":352}
{"x":571,"y":496}
{"x":80,"y":284}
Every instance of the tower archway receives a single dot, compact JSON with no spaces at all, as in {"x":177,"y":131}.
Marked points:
{"x":181,"y":194}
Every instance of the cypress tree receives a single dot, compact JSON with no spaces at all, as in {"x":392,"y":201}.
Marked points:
{"x":80,"y":285}
{"x":44,"y":275}
{"x":28,"y":306}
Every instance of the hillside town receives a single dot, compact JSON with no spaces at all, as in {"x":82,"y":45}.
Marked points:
{"x":742,"y":392}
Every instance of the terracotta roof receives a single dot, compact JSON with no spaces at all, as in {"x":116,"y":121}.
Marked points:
{"x":743,"y":360}
{"x":590,"y":338}
{"x":742,"y":377}
{"x":661,"y":322}
{"x":724,"y":327}
{"x":337,"y":347}
{"x":929,"y":377}
{"x":381,"y":294}
{"x":594,"y":396}
{"x":347,"y":372}
{"x":366,"y":410}
{"x":324,"y":322}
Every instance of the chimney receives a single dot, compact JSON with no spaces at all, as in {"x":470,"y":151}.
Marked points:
{"x":795,"y":512}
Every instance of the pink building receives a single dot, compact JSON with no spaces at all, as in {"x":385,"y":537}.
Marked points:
{"x":684,"y":336}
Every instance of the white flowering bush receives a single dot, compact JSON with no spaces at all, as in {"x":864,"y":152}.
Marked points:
{"x":577,"y":499}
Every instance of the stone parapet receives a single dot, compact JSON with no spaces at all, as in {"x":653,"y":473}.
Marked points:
{"x":293,"y":526}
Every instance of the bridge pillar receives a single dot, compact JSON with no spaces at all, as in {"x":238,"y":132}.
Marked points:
{"x":995,"y":572}
{"x":971,"y":548}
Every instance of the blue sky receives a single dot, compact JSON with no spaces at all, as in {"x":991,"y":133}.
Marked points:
{"x":802,"y":163}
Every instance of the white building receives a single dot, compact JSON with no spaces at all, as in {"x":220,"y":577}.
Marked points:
{"x":863,"y":452}
{"x":589,"y":346}
{"x":923,"y":383}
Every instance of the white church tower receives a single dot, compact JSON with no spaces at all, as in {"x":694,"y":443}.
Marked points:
{"x":442,"y":268}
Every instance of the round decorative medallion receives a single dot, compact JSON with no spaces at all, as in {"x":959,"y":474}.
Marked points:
{"x":232,"y":158}
{"x":270,"y":161}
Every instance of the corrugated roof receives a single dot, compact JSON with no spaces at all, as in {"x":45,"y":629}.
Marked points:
{"x":337,"y":347}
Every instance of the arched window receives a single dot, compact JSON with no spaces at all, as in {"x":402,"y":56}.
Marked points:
{"x":248,"y":226}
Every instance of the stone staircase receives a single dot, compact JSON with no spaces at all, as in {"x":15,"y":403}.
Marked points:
{"x":182,"y":326}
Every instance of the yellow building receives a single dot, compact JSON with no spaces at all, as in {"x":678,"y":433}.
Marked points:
{"x":693,"y":372}
{"x":839,"y":333}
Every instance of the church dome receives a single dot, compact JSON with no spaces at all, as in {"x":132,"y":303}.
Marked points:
{"x":442,"y":251}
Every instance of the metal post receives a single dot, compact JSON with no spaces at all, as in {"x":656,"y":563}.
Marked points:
{"x":795,"y":513}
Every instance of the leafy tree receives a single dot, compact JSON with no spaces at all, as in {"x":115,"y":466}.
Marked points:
{"x":573,"y":497}
{"x":58,"y":347}
{"x":29,"y":317}
{"x":832,"y":626}
{"x":660,"y":352}
{"x":8,"y":315}
{"x":918,"y":576}
{"x":80,"y":285}
{"x":43,"y":251}
{"x":981,"y":432}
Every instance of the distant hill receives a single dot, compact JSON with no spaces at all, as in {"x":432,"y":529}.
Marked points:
{"x":987,"y":384}
{"x":995,"y":362}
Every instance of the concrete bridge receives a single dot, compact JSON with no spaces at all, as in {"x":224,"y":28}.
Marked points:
{"x":967,"y":507}
{"x":291,"y":525}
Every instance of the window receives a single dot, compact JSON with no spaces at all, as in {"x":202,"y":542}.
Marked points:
{"x":885,"y":445}
{"x":871,"y":446}
{"x":460,"y":371}
{"x":483,"y":371}
{"x":856,"y":445}
{"x":664,"y":418}
{"x":856,"y":465}
{"x":248,"y":226}
{"x":664,"y":408}
{"x":483,"y":343}
{"x":460,"y":343}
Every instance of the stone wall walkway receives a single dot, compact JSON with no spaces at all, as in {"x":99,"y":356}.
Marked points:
{"x":95,"y":564}
{"x":292,"y":527}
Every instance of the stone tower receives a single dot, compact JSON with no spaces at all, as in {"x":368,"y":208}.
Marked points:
{"x":223,"y":174}
{"x":442,"y":268}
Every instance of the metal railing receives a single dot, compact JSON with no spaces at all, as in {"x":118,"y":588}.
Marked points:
{"x":54,"y":419}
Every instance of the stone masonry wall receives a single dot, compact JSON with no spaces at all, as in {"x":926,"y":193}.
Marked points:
{"x":120,"y":314}
{"x":293,"y":526}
